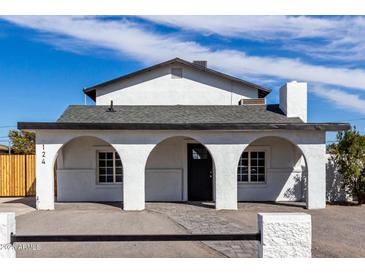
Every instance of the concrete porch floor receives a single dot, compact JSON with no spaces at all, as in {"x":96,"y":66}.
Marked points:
{"x":338,"y":231}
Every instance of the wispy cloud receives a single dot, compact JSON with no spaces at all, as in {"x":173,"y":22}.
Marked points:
{"x":128,"y":38}
{"x":340,"y":98}
{"x":341,"y":37}
{"x":255,"y":27}
{"x":77,"y":34}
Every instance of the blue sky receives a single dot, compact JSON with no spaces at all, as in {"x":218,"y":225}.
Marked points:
{"x":46,"y":61}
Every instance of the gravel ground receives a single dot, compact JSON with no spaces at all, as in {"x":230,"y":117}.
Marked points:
{"x":338,"y":231}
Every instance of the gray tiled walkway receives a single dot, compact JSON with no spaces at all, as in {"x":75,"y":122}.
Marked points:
{"x":197,"y":219}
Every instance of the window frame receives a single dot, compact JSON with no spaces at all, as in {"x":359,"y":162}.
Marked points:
{"x":114,"y":169}
{"x":266,"y":158}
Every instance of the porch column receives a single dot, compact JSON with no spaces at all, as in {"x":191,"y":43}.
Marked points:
{"x":134,"y":158}
{"x":225,"y":159}
{"x":315,"y":155}
{"x":45,"y":159}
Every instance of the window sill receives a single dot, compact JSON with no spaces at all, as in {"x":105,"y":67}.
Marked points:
{"x":252,"y":184}
{"x":108,"y":184}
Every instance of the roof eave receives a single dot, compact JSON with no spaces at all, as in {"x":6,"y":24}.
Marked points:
{"x":185,"y":126}
{"x":91,"y":93}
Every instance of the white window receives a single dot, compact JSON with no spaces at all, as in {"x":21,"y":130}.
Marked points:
{"x":252,"y":167}
{"x":110,"y":169}
{"x":176,"y":73}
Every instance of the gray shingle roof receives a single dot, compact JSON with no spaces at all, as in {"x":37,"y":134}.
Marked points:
{"x":178,"y":114}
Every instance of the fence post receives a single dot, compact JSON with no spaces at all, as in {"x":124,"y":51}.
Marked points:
{"x":285,"y":235}
{"x":7,"y":226}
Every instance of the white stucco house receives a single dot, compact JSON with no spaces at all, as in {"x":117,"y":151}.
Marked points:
{"x":180,"y":131}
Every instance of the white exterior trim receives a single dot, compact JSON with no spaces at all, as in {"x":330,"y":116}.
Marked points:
{"x":267,"y":151}
{"x":97,"y":182}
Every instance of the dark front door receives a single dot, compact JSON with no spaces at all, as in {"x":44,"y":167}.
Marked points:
{"x":200,"y":173}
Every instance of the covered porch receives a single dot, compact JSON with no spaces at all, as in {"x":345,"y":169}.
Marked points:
{"x":224,"y":167}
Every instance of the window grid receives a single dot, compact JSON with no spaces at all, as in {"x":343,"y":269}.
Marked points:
{"x":251,"y":167}
{"x":110,"y":169}
{"x":243,"y":168}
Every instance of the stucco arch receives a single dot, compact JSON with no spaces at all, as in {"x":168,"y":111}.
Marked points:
{"x":225,"y":148}
{"x":73,"y":138}
{"x":190,"y":136}
{"x":79,"y":177}
{"x":48,"y":147}
{"x":168,"y":160}
{"x":286,"y":171}
{"x":288,"y":139}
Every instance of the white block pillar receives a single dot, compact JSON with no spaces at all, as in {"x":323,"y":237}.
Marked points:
{"x":134,"y":158}
{"x":45,"y":158}
{"x":316,"y":192}
{"x":225,"y":158}
{"x":7,"y":226}
{"x":316,"y":165}
{"x":285,"y":235}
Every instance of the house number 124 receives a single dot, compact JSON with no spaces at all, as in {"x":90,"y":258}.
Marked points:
{"x":43,"y":156}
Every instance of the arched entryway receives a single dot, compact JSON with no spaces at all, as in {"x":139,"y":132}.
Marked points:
{"x":88,"y":169}
{"x":179,"y":168}
{"x":272,"y":169}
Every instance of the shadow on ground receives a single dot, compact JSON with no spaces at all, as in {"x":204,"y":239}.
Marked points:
{"x":28,"y":201}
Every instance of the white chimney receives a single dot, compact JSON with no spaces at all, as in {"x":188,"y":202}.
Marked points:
{"x":293,"y":100}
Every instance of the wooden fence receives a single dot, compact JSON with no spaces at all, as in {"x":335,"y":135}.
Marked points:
{"x":17,"y":175}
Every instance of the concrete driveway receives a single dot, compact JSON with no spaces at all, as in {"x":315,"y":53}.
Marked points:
{"x":94,"y":218}
{"x":338,"y":231}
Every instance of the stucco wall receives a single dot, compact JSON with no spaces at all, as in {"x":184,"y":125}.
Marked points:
{"x":166,"y":172}
{"x":158,"y":88}
{"x":285,"y":235}
{"x":334,"y":183}
{"x":225,"y":147}
{"x":284,"y":173}
{"x":77,"y":174}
